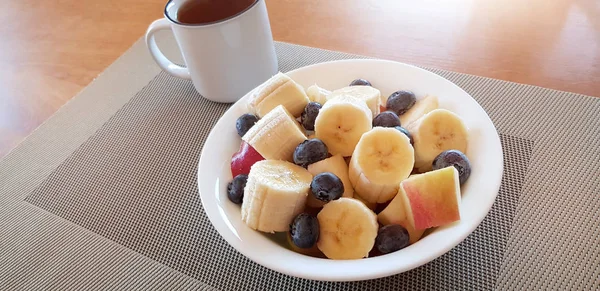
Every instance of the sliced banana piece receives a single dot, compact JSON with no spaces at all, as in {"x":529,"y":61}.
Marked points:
{"x":275,"y":193}
{"x":347,"y":229}
{"x":278,"y":90}
{"x":317,"y":94}
{"x":336,"y":165}
{"x":276,"y":135}
{"x":435,"y":132}
{"x":381,"y":160}
{"x":341,"y":122}
{"x":370,"y":95}
{"x":370,"y":205}
{"x":422,"y":107}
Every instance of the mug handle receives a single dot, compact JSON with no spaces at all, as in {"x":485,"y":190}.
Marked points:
{"x":158,"y":56}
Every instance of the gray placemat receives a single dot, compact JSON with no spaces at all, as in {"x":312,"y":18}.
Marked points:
{"x":103,"y":195}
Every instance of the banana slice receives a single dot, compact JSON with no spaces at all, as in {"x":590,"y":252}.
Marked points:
{"x":317,"y":94}
{"x":275,"y":193}
{"x":278,"y":90}
{"x":369,"y":205}
{"x":341,"y":122}
{"x":276,"y":135}
{"x":381,"y":160}
{"x":336,"y":165}
{"x":435,"y":132}
{"x":420,"y":108}
{"x":370,"y":95}
{"x":347,"y":229}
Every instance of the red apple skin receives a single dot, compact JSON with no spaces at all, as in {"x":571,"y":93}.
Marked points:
{"x":242,"y":161}
{"x":420,"y":215}
{"x":395,"y":213}
{"x":428,"y":212}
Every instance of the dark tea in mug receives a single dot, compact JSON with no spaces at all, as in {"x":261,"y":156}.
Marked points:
{"x":207,"y":11}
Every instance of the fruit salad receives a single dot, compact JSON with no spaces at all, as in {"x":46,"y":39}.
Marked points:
{"x":348,"y":173}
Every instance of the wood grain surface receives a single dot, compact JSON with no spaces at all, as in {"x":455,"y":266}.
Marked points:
{"x":50,"y":50}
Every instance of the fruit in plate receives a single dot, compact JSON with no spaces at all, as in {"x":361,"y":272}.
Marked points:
{"x":400,"y":101}
{"x":432,"y":199}
{"x":454,"y":158}
{"x":242,"y":161}
{"x":276,"y":135}
{"x":341,"y":122}
{"x":310,"y":151}
{"x":244,"y":123}
{"x":347,"y":229}
{"x":370,"y":95}
{"x":386,"y":119}
{"x":405,"y":131}
{"x":309,"y":115}
{"x":275,"y":194}
{"x":317,"y":94}
{"x":313,"y":251}
{"x":304,"y":231}
{"x":336,"y":165}
{"x":278,"y":90}
{"x":435,"y":132}
{"x":422,"y":107}
{"x":391,"y":238}
{"x":326,"y":187}
{"x":360,"y":82}
{"x":382,"y":159}
{"x":235,"y":188}
{"x":395,"y":213}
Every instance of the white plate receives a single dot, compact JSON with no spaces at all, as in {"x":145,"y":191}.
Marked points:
{"x":478,"y":194}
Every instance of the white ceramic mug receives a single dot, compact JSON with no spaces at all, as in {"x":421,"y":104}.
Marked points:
{"x":224,"y":59}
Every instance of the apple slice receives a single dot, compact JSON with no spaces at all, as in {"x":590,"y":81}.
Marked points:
{"x":431,"y":199}
{"x":242,"y":161}
{"x":395,"y":213}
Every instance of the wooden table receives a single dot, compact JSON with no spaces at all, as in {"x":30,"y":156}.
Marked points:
{"x":50,"y":50}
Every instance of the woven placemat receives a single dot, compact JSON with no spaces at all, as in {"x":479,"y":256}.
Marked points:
{"x":104,"y":194}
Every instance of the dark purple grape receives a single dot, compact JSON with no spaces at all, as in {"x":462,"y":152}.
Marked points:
{"x":405,"y":131}
{"x":386,"y":119}
{"x":244,"y":123}
{"x":235,"y":188}
{"x":401,"y":101}
{"x":310,"y":114}
{"x":391,"y":238}
{"x":310,"y":151}
{"x":454,"y":158}
{"x":326,"y":187}
{"x":360,"y":82}
{"x":304,"y":230}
